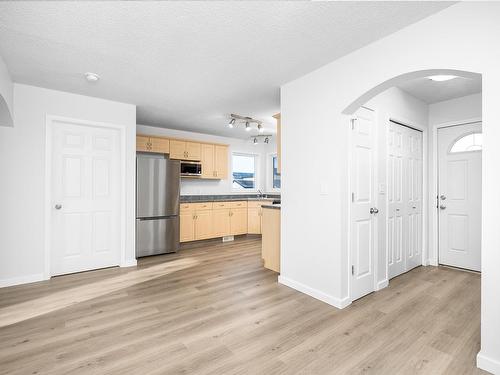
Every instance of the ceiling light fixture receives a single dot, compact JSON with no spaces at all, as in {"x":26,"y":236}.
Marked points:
{"x":231,"y":123}
{"x":255,"y":141}
{"x":266,"y":140}
{"x":248,"y":121}
{"x":92,"y":77}
{"x":261,"y":129}
{"x":247,"y":126}
{"x":441,"y":77}
{"x":265,"y":137}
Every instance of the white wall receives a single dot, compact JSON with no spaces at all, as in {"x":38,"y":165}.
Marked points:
{"x":6,"y":96}
{"x":190,"y":186}
{"x":395,"y":104}
{"x":22,"y":171}
{"x":316,"y":102}
{"x":452,"y":111}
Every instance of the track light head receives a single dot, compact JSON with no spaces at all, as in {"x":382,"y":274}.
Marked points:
{"x":231,"y":123}
{"x":261,"y":129}
{"x":266,"y":140}
{"x":247,"y":126}
{"x":255,"y":141}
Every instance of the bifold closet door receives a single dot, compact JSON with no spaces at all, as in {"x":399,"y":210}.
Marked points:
{"x":404,"y":219}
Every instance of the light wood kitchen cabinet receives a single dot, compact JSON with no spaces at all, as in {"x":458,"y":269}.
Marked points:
{"x":187,"y":221}
{"x":152,"y":144}
{"x":222,"y":222}
{"x":160,"y":145}
{"x":214,"y":161}
{"x":271,"y":241}
{"x":221,"y":161}
{"x":255,"y":216}
{"x":142,"y":143}
{"x":203,"y":224}
{"x":185,"y":150}
{"x":239,"y":221}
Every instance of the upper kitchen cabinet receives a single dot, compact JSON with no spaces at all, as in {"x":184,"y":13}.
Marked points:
{"x":152,"y":144}
{"x":185,"y":150}
{"x":214,"y":161}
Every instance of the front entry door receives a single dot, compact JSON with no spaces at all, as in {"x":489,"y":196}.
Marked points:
{"x":404,"y":219}
{"x":363,"y":210}
{"x":459,"y":196}
{"x":85,"y":198}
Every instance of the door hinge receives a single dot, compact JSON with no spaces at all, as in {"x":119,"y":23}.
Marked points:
{"x":352,"y":123}
{"x":352,"y":197}
{"x":352,"y":270}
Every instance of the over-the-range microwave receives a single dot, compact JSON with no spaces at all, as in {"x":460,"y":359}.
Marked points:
{"x":190,"y":168}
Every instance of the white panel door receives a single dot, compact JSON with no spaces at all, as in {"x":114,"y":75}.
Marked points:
{"x":404,"y":219}
{"x":362,"y":203}
{"x":459,"y":199}
{"x":85,"y":198}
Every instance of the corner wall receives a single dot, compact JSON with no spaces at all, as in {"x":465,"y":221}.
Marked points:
{"x":6,"y":96}
{"x":314,"y":247}
{"x":22,"y":170}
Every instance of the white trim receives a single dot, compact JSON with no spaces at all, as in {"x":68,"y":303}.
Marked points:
{"x":488,"y":364}
{"x":382,"y":284}
{"x":128,"y":263}
{"x":433,"y":251}
{"x":319,"y":295}
{"x":22,"y":280}
{"x":49,"y":120}
{"x":269,"y":173}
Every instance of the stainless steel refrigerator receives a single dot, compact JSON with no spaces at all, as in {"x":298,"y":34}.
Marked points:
{"x":157,"y":205}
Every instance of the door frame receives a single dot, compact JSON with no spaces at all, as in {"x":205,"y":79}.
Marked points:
{"x":433,"y":253}
{"x":346,"y":301}
{"x":49,"y":123}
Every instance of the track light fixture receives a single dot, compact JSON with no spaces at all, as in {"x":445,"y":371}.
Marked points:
{"x":248,"y":121}
{"x":265,"y":137}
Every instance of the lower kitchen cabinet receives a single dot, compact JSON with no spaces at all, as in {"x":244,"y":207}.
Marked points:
{"x":222,"y":222}
{"x":201,"y":221}
{"x":239,"y":220}
{"x":255,"y":216}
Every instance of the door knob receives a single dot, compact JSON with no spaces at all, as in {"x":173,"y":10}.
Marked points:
{"x":442,"y":206}
{"x":374,"y":210}
{"x":58,"y":206}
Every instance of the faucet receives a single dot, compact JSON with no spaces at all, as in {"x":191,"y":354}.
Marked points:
{"x":260,"y":195}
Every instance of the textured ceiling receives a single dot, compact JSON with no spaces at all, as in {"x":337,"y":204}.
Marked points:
{"x":187,"y":65}
{"x":432,"y":92}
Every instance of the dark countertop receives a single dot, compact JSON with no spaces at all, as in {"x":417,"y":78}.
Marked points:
{"x":272,"y":206}
{"x":228,"y":197}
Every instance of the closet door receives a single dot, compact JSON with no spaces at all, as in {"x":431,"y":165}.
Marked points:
{"x":404,"y":220}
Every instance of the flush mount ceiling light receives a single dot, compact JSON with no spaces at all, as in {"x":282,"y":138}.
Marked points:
{"x":441,"y":77}
{"x":92,"y":77}
{"x":248,"y":121}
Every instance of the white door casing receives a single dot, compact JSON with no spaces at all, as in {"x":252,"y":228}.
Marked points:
{"x":459,"y":196}
{"x":405,"y":185}
{"x":85,"y":197}
{"x":363,"y":200}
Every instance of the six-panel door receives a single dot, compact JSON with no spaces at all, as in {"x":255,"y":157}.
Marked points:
{"x":85,"y":198}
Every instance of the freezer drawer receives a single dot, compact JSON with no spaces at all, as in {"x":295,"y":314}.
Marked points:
{"x":157,"y":236}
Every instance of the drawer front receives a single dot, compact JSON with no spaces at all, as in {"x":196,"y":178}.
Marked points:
{"x":256,"y":204}
{"x":203,"y":206}
{"x":218,"y":205}
{"x":238,"y":204}
{"x":185,"y":207}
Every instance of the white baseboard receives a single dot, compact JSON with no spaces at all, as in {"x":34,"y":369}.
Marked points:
{"x":129,"y":263}
{"x":382,"y":284}
{"x":21,"y":280}
{"x":331,"y":300}
{"x":488,"y":364}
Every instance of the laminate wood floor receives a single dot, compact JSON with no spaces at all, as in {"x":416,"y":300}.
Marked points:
{"x":213,"y":309}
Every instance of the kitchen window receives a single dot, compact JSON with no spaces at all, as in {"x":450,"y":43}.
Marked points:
{"x":275,"y":175}
{"x":244,"y":171}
